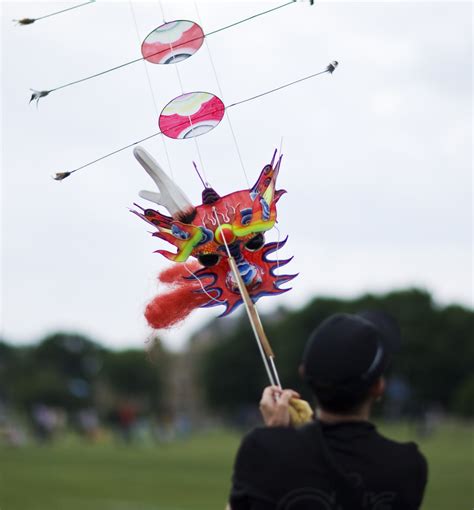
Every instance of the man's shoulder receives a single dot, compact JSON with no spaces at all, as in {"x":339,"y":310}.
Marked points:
{"x":263,"y":438}
{"x":290,"y":444}
{"x":270,"y":433}
{"x":407,"y":449}
{"x":403,"y":460}
{"x":270,"y":444}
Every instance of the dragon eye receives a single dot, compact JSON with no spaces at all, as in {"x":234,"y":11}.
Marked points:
{"x":255,"y":243}
{"x":208,"y":259}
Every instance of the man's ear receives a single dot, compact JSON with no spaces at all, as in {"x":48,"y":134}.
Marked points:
{"x":378,"y":388}
{"x":301,"y":371}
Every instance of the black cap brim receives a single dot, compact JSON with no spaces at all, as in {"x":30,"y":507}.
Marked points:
{"x":390,"y":336}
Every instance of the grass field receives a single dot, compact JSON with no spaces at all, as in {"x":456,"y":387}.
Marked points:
{"x":191,"y":473}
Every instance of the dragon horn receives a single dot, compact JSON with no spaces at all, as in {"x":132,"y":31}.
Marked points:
{"x":170,"y":196}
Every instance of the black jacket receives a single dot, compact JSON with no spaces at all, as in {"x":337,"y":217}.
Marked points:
{"x":343,"y":466}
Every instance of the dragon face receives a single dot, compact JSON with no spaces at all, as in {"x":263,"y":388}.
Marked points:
{"x":235,"y":223}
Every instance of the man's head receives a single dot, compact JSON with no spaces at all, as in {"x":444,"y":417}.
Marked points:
{"x":346,"y":357}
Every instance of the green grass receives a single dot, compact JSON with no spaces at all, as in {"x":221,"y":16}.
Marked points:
{"x":188,"y":474}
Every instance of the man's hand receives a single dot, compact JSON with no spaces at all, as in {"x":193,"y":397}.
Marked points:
{"x":275,"y":404}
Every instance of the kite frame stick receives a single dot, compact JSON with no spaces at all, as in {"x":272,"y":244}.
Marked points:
{"x":266,"y":352}
{"x":259,"y":333}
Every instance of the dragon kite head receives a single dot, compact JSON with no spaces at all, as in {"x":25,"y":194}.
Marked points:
{"x":235,"y":223}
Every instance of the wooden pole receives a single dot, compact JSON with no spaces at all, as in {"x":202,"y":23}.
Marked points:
{"x":268,"y":357}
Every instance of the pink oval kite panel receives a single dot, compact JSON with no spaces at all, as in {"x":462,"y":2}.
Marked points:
{"x":190,"y":115}
{"x":172,"y":42}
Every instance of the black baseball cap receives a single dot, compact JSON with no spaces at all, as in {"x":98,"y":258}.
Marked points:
{"x":351,"y":349}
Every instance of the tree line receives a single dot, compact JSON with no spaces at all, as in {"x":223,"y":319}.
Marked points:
{"x":72,"y":372}
{"x":434,"y":368}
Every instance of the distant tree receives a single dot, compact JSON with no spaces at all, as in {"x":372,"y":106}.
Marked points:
{"x":231,"y":371}
{"x":132,"y":374}
{"x":61,"y":371}
{"x":464,"y":398}
{"x":9,"y":366}
{"x":72,"y":355}
{"x":68,"y":370}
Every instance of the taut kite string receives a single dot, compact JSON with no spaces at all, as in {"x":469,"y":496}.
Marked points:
{"x":29,"y":21}
{"x":329,"y":69}
{"x":38,"y":94}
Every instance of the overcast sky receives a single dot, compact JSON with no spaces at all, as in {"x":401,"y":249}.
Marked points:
{"x":377,"y":158}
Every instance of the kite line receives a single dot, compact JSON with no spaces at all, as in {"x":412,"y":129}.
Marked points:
{"x":329,"y":69}
{"x":38,"y":94}
{"x":29,"y":21}
{"x":231,"y":127}
{"x":150,"y":87}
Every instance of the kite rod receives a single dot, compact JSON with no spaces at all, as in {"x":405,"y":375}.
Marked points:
{"x":266,"y":352}
{"x":29,"y":21}
{"x":329,"y":69}
{"x":38,"y":94}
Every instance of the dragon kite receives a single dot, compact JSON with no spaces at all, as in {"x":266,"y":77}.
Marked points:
{"x":234,"y":224}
